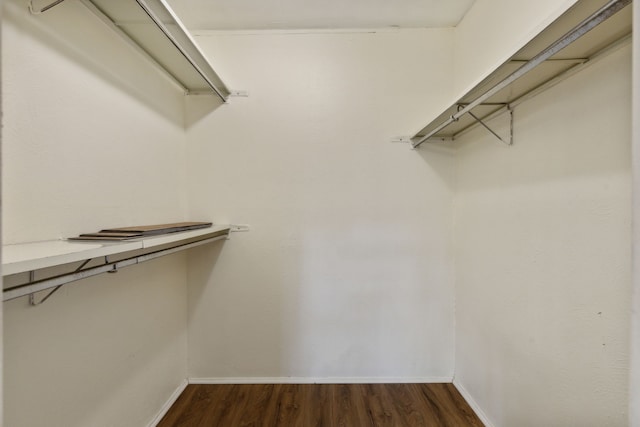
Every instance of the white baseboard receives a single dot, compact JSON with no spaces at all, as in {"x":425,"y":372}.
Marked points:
{"x":320,"y":380}
{"x":474,"y":405}
{"x":167,"y":405}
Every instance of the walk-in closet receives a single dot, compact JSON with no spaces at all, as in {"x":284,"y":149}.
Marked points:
{"x":297,"y":213}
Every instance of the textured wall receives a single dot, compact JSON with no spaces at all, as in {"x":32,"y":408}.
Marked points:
{"x":84,"y":149}
{"x":634,"y":397}
{"x":1,"y":308}
{"x":347,"y":272}
{"x":542,"y":249}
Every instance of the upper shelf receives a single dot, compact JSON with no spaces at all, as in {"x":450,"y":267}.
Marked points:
{"x":155,"y":28}
{"x":580,"y":34}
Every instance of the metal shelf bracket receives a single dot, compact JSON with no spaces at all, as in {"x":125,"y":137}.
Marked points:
{"x":32,"y":296}
{"x":44,"y":9}
{"x":509,"y":141}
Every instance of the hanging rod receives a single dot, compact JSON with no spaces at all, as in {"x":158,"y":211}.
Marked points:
{"x":173,"y":40}
{"x":107,"y":267}
{"x":547,"y":85}
{"x":608,"y":10}
{"x":134,"y":45}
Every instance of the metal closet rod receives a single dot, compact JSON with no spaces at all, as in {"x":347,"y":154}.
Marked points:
{"x":608,"y":10}
{"x":116,"y":29}
{"x":549,"y":83}
{"x":153,"y":15}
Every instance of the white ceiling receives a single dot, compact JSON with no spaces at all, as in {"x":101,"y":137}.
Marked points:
{"x":306,"y":14}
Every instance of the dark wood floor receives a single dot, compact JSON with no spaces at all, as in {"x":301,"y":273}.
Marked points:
{"x":308,"y":405}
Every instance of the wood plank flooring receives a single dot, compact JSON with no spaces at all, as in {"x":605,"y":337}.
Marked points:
{"x":318,"y":405}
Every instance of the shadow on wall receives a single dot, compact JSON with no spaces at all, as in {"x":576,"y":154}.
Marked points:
{"x":94,"y":345}
{"x":230,"y":319}
{"x":537,"y":155}
{"x":547,"y":149}
{"x":440,"y":159}
{"x":73,"y":31}
{"x":199,"y":278}
{"x":197,"y":107}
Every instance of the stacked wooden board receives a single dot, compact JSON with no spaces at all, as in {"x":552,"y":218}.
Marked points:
{"x":126,"y":233}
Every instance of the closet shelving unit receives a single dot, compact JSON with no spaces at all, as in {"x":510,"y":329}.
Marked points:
{"x":583,"y":33}
{"x":87,"y":259}
{"x":154,"y":30}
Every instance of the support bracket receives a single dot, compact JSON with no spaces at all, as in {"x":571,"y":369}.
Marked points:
{"x":32,"y":296}
{"x":509,"y":141}
{"x":401,"y":139}
{"x":44,"y":9}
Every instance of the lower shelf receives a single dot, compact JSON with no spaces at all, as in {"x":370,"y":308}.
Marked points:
{"x":34,"y":256}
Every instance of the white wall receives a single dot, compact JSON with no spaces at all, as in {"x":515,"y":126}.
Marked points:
{"x":83,"y":149}
{"x":542,"y":249}
{"x":634,"y":396}
{"x":347,"y":272}
{"x":107,"y":351}
{"x":1,"y":308}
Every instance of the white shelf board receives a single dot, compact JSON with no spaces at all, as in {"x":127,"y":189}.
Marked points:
{"x":34,"y":256}
{"x":23,"y":257}
{"x":164,"y":239}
